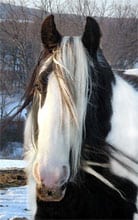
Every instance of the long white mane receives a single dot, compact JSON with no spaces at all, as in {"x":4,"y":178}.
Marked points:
{"x":70,"y":78}
{"x":71,"y":74}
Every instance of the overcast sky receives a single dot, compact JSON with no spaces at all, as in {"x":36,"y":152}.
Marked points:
{"x":30,"y":3}
{"x":133,"y":2}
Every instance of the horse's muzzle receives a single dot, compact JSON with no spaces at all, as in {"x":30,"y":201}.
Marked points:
{"x":50,"y":194}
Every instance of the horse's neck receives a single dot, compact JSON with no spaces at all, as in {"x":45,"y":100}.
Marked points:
{"x":112,"y":114}
{"x":112,"y":119}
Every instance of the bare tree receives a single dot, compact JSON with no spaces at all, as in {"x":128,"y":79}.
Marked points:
{"x":19,"y":51}
{"x":121,"y":36}
{"x":17,"y":32}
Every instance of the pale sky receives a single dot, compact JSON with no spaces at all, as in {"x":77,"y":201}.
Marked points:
{"x":30,"y":3}
{"x":133,"y":2}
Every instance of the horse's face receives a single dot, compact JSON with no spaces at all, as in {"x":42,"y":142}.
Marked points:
{"x":61,"y":100}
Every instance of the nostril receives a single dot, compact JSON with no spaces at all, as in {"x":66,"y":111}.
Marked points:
{"x":64,"y":177}
{"x":63,"y":187}
{"x":49,"y":193}
{"x":65,"y":172}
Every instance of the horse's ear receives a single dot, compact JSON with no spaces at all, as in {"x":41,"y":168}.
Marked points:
{"x":91,"y":36}
{"x":49,"y":34}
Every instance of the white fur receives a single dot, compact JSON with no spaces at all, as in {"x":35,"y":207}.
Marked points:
{"x":53,"y":141}
{"x":124,"y":128}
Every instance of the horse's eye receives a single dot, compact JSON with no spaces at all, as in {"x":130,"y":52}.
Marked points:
{"x":44,"y":78}
{"x":41,"y":83}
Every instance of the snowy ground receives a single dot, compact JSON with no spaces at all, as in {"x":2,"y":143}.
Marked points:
{"x":13,"y":203}
{"x":13,"y":200}
{"x":8,"y":164}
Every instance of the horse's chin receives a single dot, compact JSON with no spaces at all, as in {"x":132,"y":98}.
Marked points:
{"x":50,"y":195}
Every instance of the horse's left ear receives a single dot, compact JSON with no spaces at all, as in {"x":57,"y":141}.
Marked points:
{"x":49,"y":34}
{"x":91,"y":36}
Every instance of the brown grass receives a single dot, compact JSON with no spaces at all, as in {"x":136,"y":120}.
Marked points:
{"x":13,"y":177}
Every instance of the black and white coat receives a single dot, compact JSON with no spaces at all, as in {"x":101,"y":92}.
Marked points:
{"x":105,"y":185}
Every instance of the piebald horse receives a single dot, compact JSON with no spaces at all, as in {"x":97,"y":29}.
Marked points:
{"x":81,"y":133}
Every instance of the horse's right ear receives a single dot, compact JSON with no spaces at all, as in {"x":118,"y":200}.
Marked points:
{"x":49,"y":34}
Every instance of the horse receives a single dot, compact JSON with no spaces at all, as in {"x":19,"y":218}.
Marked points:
{"x":81,"y":132}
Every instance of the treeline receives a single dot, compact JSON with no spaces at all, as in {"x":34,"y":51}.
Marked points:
{"x":20,"y":40}
{"x":20,"y":43}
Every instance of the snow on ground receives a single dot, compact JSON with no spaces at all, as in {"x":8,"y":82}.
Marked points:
{"x":8,"y":164}
{"x":13,"y":200}
{"x":13,"y":203}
